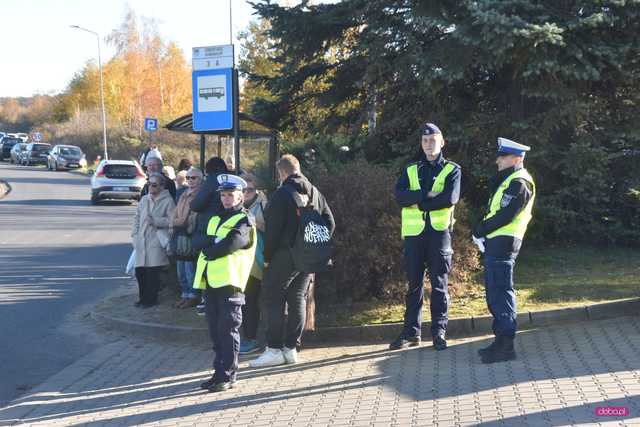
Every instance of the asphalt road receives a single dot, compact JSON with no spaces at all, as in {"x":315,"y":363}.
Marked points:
{"x":57,"y":253}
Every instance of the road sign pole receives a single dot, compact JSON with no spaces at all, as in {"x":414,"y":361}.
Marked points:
{"x":236,"y":120}
{"x":202,"y":154}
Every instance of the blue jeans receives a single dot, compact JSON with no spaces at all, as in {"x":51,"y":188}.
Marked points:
{"x":186,"y":275}
{"x":501,"y":295}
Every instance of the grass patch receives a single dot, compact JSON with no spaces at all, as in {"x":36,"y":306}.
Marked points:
{"x":545,"y":277}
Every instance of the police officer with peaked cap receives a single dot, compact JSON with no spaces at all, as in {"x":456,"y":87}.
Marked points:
{"x":500,"y":235}
{"x":427,"y":191}
{"x":223,"y":269}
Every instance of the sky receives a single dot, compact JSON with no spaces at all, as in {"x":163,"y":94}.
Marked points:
{"x":40,"y":53}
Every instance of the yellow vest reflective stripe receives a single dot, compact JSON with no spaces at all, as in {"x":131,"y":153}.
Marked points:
{"x":518,"y":226}
{"x":413,"y":222}
{"x":233,"y":269}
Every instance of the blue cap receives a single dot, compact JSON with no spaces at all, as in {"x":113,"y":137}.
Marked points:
{"x":507,"y":146}
{"x":228,"y":182}
{"x":430,"y":129}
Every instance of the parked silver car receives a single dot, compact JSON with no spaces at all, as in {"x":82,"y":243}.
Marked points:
{"x":66,"y":157}
{"x":117,"y":179}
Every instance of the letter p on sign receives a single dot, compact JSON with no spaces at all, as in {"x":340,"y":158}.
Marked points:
{"x":150,"y":125}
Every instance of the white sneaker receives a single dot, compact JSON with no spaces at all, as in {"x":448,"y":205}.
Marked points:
{"x":290,"y":355}
{"x":270,"y":357}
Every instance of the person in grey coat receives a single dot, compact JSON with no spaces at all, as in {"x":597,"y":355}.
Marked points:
{"x":150,"y":238}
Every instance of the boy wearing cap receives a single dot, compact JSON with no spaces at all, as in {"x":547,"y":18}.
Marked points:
{"x":499,"y":235}
{"x":223,"y":269}
{"x":427,"y":192}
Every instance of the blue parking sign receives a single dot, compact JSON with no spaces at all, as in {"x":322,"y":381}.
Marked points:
{"x":150,"y":124}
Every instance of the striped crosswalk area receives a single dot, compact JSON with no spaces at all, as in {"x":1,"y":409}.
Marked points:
{"x":57,"y":252}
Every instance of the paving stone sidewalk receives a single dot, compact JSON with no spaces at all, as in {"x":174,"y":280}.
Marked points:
{"x":562,"y":375}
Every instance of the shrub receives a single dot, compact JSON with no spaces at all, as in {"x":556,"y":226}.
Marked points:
{"x":368,"y":258}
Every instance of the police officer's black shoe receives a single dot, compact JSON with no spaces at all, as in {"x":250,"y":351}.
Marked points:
{"x":404,"y":342}
{"x":502,"y":351}
{"x":222,"y":386}
{"x":211,"y":382}
{"x":208,"y":383}
{"x":439,"y":342}
{"x":487,"y":348}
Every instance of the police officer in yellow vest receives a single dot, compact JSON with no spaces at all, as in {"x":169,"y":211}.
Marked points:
{"x":499,"y":236}
{"x":427,"y":191}
{"x":222,"y":270}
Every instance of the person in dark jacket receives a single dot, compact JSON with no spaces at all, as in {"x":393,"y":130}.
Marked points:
{"x":427,"y":192}
{"x":207,"y":201}
{"x":281,"y":282}
{"x":207,"y":204}
{"x":224,"y":266}
{"x":499,"y":236}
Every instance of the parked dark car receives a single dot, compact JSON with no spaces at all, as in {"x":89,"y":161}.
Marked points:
{"x":36,"y":153}
{"x":6,"y":145}
{"x":66,"y":157}
{"x":15,"y":155}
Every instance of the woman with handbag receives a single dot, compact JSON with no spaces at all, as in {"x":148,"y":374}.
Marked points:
{"x":151,"y":239}
{"x":184,"y":224}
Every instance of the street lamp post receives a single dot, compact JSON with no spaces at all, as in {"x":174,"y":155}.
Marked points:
{"x":104,"y":115}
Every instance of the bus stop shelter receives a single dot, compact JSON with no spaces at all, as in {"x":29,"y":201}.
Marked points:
{"x":249,"y":128}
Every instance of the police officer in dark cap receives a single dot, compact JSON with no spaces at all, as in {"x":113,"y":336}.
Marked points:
{"x":223,"y":268}
{"x":499,"y":236}
{"x":427,"y":191}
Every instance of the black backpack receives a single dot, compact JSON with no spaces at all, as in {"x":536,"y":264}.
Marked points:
{"x":312,"y":247}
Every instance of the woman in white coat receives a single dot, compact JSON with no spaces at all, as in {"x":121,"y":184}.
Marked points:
{"x":151,"y":239}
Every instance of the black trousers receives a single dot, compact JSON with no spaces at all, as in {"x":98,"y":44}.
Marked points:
{"x":431,"y":250}
{"x":284,"y":285}
{"x":149,"y":279}
{"x":223,"y":309}
{"x":251,"y":310}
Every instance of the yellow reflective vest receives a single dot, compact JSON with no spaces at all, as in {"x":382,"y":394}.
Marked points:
{"x":232,"y":269}
{"x":518,"y":226}
{"x":413,"y":220}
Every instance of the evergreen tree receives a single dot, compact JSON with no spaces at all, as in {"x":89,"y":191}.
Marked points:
{"x":561,"y":76}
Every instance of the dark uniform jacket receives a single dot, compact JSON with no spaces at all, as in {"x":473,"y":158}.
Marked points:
{"x":514,"y":199}
{"x":281,"y":219}
{"x":239,"y":237}
{"x":207,"y":204}
{"x":427,"y":172}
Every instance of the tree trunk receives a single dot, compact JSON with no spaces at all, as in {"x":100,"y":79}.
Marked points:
{"x":310,"y":323}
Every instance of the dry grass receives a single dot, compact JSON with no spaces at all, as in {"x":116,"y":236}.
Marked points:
{"x":546,"y":278}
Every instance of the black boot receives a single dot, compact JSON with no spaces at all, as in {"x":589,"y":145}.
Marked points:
{"x":439,"y":341}
{"x":487,"y":348}
{"x":208,"y":383}
{"x":502,"y":351}
{"x":211,"y":382}
{"x":404,"y":342}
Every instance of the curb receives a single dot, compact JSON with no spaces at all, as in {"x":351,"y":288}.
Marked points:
{"x":478,"y":326}
{"x":154,"y":330}
{"x":457,"y":328}
{"x":5,"y":188}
